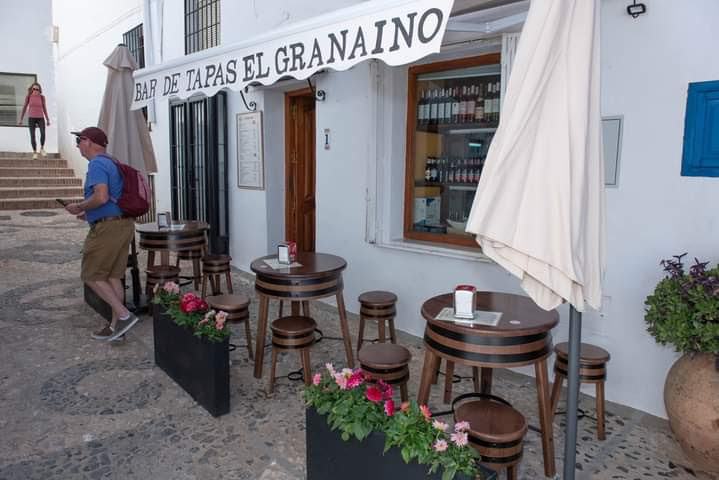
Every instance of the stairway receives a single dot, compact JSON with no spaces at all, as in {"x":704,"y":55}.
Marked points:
{"x":27,"y":184}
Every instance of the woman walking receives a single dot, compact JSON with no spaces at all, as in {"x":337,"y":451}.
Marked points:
{"x":36,"y":116}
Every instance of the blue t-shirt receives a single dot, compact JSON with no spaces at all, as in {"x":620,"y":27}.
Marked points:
{"x":102,"y":169}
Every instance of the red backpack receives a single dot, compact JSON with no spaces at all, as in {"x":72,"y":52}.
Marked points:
{"x":134,"y":200}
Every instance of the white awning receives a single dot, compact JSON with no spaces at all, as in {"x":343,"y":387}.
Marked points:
{"x":394,"y":31}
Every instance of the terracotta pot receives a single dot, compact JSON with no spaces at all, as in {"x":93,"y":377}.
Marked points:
{"x":691,"y":397}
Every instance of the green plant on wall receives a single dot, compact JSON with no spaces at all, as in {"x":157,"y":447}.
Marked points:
{"x":683,"y":311}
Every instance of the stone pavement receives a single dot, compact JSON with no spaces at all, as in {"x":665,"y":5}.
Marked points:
{"x":74,"y":408}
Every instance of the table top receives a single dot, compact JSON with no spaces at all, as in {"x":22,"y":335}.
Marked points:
{"x":313,"y":264}
{"x":520,"y":315}
{"x":189,"y":226}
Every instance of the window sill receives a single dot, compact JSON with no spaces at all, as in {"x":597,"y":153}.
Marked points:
{"x":428,"y":248}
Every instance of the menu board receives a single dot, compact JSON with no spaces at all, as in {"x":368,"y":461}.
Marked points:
{"x":250,"y":164}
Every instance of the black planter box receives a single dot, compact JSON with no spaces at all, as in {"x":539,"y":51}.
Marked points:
{"x":199,"y":366}
{"x":331,"y":458}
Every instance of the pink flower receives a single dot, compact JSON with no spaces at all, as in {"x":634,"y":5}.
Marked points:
{"x":356,"y":379}
{"x":316,"y":379}
{"x":346,"y":372}
{"x":207,"y":317}
{"x":341,"y":381}
{"x":221,"y":316}
{"x":219,"y":325}
{"x":389,"y":407}
{"x":425,"y":411}
{"x":374,"y":394}
{"x":459,"y":438}
{"x":188,"y":297}
{"x":440,"y":425}
{"x":404,"y":406}
{"x":387,"y":392}
{"x":171,"y":287}
{"x":440,"y":445}
{"x":461,"y":426}
{"x":330,"y":369}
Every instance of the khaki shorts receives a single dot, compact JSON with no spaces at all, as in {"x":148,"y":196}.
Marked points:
{"x":104,"y":254}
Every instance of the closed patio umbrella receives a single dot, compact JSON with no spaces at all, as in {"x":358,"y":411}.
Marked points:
{"x":127,"y":133}
{"x":539,"y":207}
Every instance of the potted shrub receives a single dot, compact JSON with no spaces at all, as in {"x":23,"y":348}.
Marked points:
{"x":683,"y":312}
{"x":381,"y":440}
{"x":192,"y":346}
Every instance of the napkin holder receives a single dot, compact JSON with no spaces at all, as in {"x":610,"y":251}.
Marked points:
{"x":464,"y":301}
{"x":286,"y":252}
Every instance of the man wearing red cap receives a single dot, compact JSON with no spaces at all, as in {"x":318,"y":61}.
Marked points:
{"x":104,"y":253}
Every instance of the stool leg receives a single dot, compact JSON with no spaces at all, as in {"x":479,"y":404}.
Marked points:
{"x":512,"y":472}
{"x":556,"y":390}
{"x":475,"y":379}
{"x":248,"y":334}
{"x":195,"y":272}
{"x":228,"y":277}
{"x":306,"y":369}
{"x":306,"y":308}
{"x":272,"y":370}
{"x":380,"y":330}
{"x":448,"y":377}
{"x":403,"y":392}
{"x":435,"y":377}
{"x":360,"y":336}
{"x":600,"y":410}
{"x":281,"y":305}
{"x":392,"y":332}
{"x":204,"y":284}
{"x":486,"y":381}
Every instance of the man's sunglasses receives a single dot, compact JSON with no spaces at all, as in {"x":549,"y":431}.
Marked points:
{"x":79,"y":139}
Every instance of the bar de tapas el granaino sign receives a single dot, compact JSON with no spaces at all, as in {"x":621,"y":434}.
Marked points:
{"x":394,"y":31}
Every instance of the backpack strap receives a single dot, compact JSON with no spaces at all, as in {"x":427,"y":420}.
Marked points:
{"x":119,"y":171}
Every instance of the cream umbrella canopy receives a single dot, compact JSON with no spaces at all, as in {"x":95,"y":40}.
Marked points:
{"x":127,"y":133}
{"x":539,"y":207}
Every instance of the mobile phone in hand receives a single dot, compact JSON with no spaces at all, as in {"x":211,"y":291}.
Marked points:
{"x":61,"y":202}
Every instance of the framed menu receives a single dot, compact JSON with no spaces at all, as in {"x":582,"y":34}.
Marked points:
{"x":250,"y":162}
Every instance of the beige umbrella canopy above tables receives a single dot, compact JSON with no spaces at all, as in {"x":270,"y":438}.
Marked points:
{"x":127,"y":132}
{"x":539,"y":207}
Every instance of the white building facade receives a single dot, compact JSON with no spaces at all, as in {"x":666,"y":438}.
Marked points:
{"x":652,"y":213}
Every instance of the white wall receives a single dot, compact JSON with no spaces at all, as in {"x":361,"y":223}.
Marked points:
{"x":26,"y":34}
{"x":81,"y":76}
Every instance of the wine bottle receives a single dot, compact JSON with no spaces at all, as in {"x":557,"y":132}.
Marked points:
{"x":479,"y":106}
{"x":471,"y":96}
{"x":488,"y":103}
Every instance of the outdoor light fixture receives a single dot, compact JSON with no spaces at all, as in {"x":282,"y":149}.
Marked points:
{"x":636,"y":9}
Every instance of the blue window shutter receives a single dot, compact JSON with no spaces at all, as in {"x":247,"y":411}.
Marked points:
{"x":701,"y":131}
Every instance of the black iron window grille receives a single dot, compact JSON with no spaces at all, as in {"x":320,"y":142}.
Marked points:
{"x":135,"y":42}
{"x":202,"y":25}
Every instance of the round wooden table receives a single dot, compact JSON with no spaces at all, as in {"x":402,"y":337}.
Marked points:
{"x":319,"y":276}
{"x":165,"y":240}
{"x":522,"y":337}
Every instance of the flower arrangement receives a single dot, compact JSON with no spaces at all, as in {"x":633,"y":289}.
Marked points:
{"x":684,"y":308}
{"x":356,"y":408}
{"x":191,"y":311}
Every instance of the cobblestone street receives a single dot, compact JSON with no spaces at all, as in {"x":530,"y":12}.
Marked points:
{"x":73,"y":408}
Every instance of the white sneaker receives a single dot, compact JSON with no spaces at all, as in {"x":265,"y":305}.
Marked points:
{"x":34,"y":155}
{"x":42,"y":152}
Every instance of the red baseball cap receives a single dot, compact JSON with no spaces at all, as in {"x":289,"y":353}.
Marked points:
{"x":94,"y":134}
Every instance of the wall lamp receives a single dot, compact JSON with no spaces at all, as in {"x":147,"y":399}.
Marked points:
{"x":636,"y":9}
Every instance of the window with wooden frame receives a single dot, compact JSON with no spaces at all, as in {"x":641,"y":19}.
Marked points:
{"x":202,"y":25}
{"x":452,"y":114}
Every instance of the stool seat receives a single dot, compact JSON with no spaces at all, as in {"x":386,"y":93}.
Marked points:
{"x":588,"y":354}
{"x":493,"y":421}
{"x":228,"y":303}
{"x":382,"y":354}
{"x":237,"y":309}
{"x":293,"y":325}
{"x":213,"y":267}
{"x":194,"y":255}
{"x":216,"y":259}
{"x":159,"y":275}
{"x":387,"y":362}
{"x":377,"y":297}
{"x":163,"y":271}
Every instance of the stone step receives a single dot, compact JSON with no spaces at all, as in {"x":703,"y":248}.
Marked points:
{"x":40,"y":182}
{"x":42,"y":192}
{"x":26,"y":155}
{"x":33,"y":203}
{"x":29,"y":163}
{"x":36,"y":172}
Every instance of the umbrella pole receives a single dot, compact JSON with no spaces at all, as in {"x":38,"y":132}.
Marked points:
{"x":570,"y":438}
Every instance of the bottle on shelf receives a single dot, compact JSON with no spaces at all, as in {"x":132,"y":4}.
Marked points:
{"x":488,"y":104}
{"x":455,"y":106}
{"x":420,"y":108}
{"x":462,"y":114}
{"x":471,"y":97}
{"x":440,"y":106}
{"x":495,"y":102}
{"x":479,"y":106}
{"x":428,"y":169}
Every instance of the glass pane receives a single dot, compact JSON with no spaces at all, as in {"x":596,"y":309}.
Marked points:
{"x":457,"y":113}
{"x":13,"y":90}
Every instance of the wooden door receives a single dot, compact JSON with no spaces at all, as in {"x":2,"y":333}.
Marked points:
{"x":300,"y":169}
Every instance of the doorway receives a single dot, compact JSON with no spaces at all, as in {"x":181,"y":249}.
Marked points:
{"x":198,"y":160}
{"x":300,"y":169}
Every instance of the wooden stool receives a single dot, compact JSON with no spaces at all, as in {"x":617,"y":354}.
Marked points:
{"x":195,"y":256}
{"x":380,"y":306}
{"x":592,"y":369}
{"x":484,"y":385}
{"x":213,"y":266}
{"x":237,"y":308}
{"x":496,"y":431}
{"x":387,"y":362}
{"x":292,"y":333}
{"x":159,"y":275}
